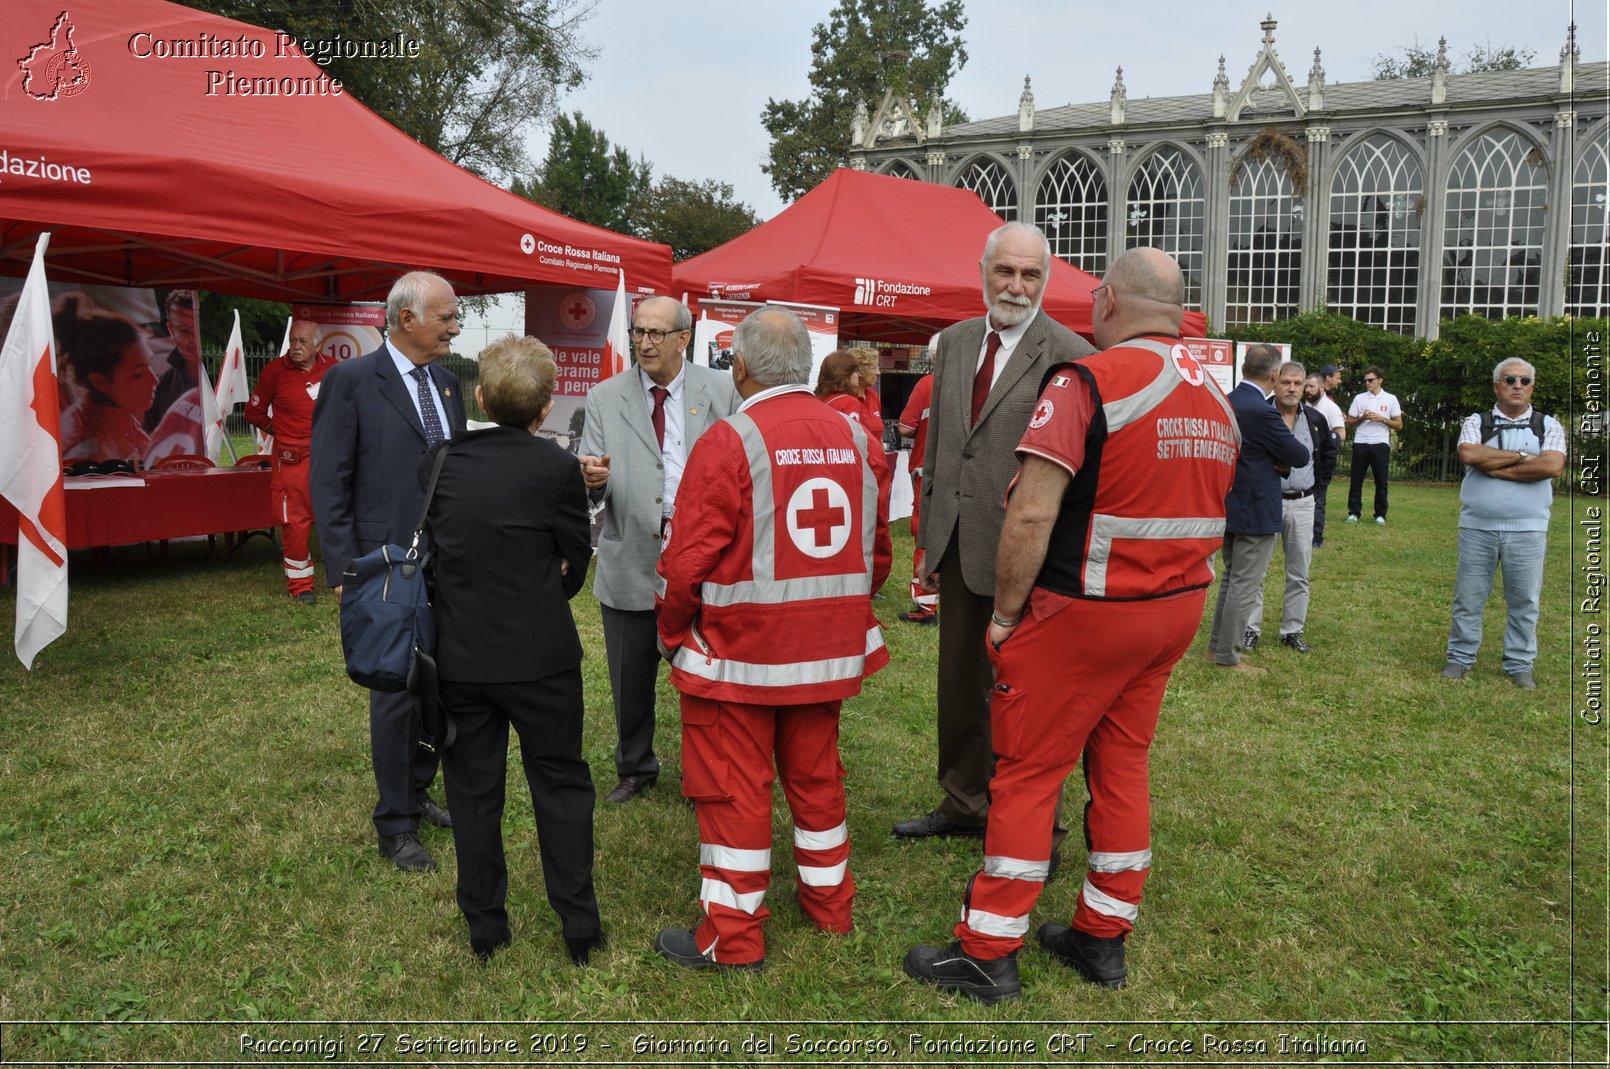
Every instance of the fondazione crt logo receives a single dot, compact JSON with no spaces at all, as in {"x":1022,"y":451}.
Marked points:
{"x":54,"y":69}
{"x":880,"y":293}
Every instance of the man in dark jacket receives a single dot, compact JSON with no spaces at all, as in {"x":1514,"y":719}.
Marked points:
{"x":1298,"y":492}
{"x":1252,"y":508}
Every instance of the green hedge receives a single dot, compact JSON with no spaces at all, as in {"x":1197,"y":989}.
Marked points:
{"x":1438,"y":382}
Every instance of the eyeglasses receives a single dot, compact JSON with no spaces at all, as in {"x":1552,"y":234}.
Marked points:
{"x":1097,"y":291}
{"x":655,"y":336}
{"x":1524,"y":380}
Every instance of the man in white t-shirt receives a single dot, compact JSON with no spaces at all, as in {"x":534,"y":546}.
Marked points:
{"x":1315,"y":396}
{"x":1376,"y":414}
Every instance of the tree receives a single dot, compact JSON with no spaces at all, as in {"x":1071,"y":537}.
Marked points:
{"x":693,"y":217}
{"x":262,"y":323}
{"x":865,"y":48}
{"x":1418,"y":61}
{"x":587,"y":179}
{"x":485,"y":73}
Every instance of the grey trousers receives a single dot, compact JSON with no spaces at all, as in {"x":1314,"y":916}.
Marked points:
{"x":1246,"y":559}
{"x":1297,"y":544}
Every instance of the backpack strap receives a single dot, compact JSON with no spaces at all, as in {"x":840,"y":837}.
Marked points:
{"x":430,"y":492}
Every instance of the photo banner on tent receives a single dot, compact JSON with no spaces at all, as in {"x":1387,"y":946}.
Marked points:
{"x":1241,"y":353}
{"x":129,"y":371}
{"x":345,"y":330}
{"x":712,"y":334}
{"x":1215,"y":355}
{"x":574,"y":323}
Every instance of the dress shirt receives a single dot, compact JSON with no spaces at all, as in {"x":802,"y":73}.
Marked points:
{"x":405,"y":368}
{"x":1010,"y":336}
{"x":674,"y":453}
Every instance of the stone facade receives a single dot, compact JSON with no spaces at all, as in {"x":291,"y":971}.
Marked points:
{"x":1397,"y":202}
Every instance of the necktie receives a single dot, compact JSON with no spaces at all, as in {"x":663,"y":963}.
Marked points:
{"x":660,"y":394}
{"x":427,"y":408}
{"x":986,"y":374}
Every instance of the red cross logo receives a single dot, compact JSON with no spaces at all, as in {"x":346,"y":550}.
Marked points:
{"x":1187,"y":366}
{"x":577,"y":311}
{"x":819,"y":517}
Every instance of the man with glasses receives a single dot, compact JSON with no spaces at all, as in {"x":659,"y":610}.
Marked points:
{"x":1511,"y":454}
{"x":640,"y":426}
{"x":1376,"y":414}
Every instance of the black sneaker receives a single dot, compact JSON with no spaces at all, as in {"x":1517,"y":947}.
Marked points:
{"x":953,"y":969}
{"x":678,"y":946}
{"x":1099,"y":960}
{"x":1249,"y":641}
{"x":1295,"y":641}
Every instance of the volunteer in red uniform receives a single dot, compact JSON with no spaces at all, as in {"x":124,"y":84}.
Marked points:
{"x":914,"y":425}
{"x":1101,"y":577}
{"x":282,"y":405}
{"x":838,"y":385}
{"x":765,"y":612}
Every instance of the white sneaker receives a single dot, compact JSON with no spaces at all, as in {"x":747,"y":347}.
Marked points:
{"x":1380,"y":521}
{"x":1352,"y":519}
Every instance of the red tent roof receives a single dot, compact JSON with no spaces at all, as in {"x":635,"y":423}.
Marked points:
{"x":899,"y":258}
{"x":156,"y":170}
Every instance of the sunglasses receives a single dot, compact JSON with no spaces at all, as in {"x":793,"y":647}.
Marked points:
{"x":1524,"y":380}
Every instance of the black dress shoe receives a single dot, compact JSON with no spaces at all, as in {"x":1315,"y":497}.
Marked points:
{"x":307,"y":597}
{"x":485,"y":948}
{"x":678,"y":946}
{"x":581,"y":947}
{"x":1099,"y":960}
{"x":407,"y":852}
{"x":630,"y":787}
{"x":926,"y":827}
{"x":433,"y":814}
{"x":986,"y":980}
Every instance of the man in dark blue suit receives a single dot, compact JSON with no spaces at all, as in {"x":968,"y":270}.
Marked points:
{"x":1252,"y":508}
{"x":374,"y":418}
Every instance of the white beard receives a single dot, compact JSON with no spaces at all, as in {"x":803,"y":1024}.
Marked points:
{"x":1007,"y":312}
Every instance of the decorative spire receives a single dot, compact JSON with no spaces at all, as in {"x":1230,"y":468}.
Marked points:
{"x":1118,"y":98}
{"x":936,"y":118}
{"x":1025,"y":108}
{"x":1439,"y":73}
{"x":1269,"y":25}
{"x":1316,"y":85}
{"x":858,"y":126}
{"x":1221,"y":91}
{"x":1570,"y":56}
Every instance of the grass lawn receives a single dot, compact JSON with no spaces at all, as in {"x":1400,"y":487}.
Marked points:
{"x":1353,"y":858}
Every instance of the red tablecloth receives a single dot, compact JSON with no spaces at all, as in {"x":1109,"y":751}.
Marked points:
{"x":166,"y":504}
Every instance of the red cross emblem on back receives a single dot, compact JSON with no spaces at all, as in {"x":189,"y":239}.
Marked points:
{"x":1186,"y":365}
{"x":819,"y":517}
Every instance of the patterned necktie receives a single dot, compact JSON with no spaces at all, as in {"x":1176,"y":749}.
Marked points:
{"x":427,"y":408}
{"x":986,"y":374}
{"x":660,"y":394}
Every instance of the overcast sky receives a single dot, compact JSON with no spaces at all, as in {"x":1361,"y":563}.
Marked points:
{"x":684,"y":84}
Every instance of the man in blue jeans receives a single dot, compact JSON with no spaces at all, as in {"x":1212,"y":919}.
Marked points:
{"x":1510,"y":457}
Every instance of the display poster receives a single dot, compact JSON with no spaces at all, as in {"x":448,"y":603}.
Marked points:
{"x":712,"y":333}
{"x":128,"y":368}
{"x":1241,"y":353}
{"x":574,"y":323}
{"x":345,"y":330}
{"x":1215,"y":354}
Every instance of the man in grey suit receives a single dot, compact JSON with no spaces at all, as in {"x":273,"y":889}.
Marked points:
{"x":640,"y":427}
{"x":375,"y":417}
{"x":987,"y":378}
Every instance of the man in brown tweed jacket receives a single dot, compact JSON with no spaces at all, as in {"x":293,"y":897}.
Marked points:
{"x":987,"y":377}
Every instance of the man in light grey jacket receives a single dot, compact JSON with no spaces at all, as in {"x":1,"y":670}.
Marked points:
{"x":640,"y":426}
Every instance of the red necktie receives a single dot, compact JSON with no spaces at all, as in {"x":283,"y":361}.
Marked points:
{"x":986,"y":374}
{"x":660,"y":394}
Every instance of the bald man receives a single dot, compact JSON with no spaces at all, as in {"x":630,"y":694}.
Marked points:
{"x":1100,"y":581}
{"x":640,"y":426}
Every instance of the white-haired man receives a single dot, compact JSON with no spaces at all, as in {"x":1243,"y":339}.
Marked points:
{"x":1510,"y":453}
{"x":375,"y":417}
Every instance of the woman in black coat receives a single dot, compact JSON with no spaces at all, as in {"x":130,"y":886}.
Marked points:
{"x":508,"y":525}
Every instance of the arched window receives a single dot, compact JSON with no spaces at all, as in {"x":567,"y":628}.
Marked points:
{"x":993,"y":185}
{"x":1071,"y":209}
{"x":1166,"y":211}
{"x":1493,"y":231}
{"x":1587,"y":291}
{"x":1375,"y":204}
{"x":899,"y":169}
{"x":1266,"y":245}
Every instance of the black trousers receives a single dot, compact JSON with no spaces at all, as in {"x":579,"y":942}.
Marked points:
{"x":633,"y":652}
{"x":403,"y":771}
{"x":547,"y":715}
{"x":1372,"y":457}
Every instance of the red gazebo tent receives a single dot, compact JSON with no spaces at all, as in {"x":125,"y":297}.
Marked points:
{"x":159,"y":155}
{"x":898,"y":257}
